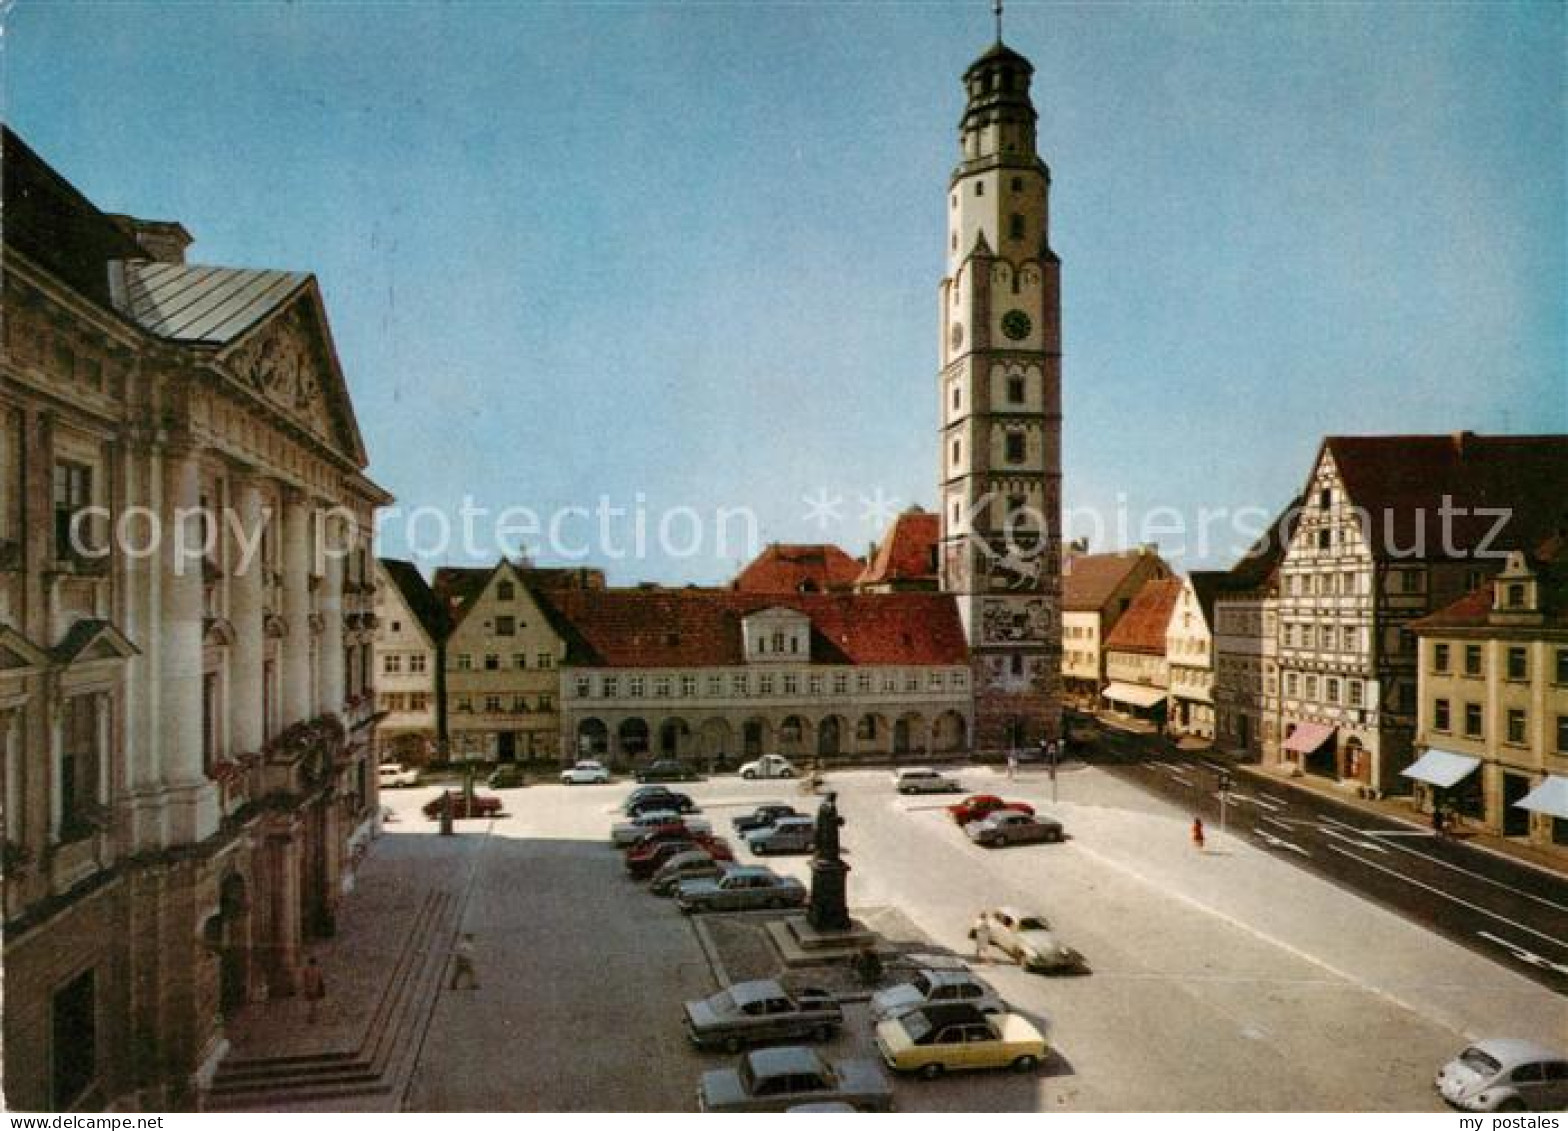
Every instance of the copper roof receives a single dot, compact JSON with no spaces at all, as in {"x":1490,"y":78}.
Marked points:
{"x":782,"y":568}
{"x":201,"y":305}
{"x":1142,"y":627}
{"x":702,"y":627}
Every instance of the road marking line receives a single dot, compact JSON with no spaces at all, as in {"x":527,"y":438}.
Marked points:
{"x":1271,"y":839}
{"x":1449,"y":896}
{"x":1346,"y":976}
{"x":1352,"y":840}
{"x":1266,"y":802}
{"x":1523,"y":955}
{"x":1511,"y":890}
{"x":1428,"y":833}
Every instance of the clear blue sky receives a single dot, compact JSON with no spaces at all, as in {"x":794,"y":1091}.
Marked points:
{"x":692,"y":251}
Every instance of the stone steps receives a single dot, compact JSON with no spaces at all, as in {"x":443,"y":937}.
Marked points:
{"x":386,"y":1047}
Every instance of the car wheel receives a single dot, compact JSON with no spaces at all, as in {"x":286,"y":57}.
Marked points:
{"x":824,"y":1032}
{"x":750,"y":775}
{"x":786,"y":773}
{"x":930,"y":1071}
{"x":776,"y":904}
{"x":733,"y":1045}
{"x":1025,"y":1063}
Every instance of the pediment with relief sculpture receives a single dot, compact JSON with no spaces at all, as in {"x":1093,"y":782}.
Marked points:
{"x":288,"y":359}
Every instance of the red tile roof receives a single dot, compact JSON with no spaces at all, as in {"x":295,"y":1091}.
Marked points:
{"x":1142,"y":627}
{"x":785,"y":568}
{"x":908,"y":552}
{"x":702,"y":627}
{"x":1474,"y":609}
{"x":1402,"y":482}
{"x":1088,"y":580}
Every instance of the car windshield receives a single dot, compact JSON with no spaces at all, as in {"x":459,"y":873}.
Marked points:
{"x":922,"y":984}
{"x":721,"y":1002}
{"x":917,"y":1025}
{"x":1033,"y":923}
{"x":1482,"y":1063}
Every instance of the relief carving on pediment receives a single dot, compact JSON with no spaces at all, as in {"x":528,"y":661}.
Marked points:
{"x":282,"y":364}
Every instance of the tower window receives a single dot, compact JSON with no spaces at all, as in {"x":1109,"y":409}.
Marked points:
{"x":1018,"y":184}
{"x":1015,"y":447}
{"x":979,"y":188}
{"x":956,"y":450}
{"x":1016,"y":227}
{"x":1015,"y":390}
{"x":955,"y":200}
{"x":955,"y":396}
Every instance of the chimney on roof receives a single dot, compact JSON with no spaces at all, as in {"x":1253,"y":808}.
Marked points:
{"x":1148,"y":548}
{"x":1078,"y":546}
{"x":1461,"y":441}
{"x":164,"y":241}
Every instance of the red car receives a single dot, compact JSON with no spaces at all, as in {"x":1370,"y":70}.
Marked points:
{"x":483,"y":805}
{"x":982,"y":805}
{"x":645,"y":860}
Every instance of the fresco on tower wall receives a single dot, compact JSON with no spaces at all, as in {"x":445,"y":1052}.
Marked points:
{"x":1014,"y":621}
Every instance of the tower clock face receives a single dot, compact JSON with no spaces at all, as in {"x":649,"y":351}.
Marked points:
{"x":956,"y":335}
{"x":1016,"y":325}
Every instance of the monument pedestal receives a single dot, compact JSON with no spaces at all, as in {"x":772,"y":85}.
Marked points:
{"x":801,"y":944}
{"x":828,"y":909}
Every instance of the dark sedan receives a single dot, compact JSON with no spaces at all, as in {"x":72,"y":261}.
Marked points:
{"x":675,"y":802}
{"x":763,"y":816}
{"x":667,"y":769}
{"x":480,"y":805}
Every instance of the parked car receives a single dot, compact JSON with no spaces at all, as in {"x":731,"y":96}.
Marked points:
{"x":936,"y":987}
{"x":587,"y":772}
{"x":939,"y":1038}
{"x":750,"y":1013}
{"x":677,"y":802}
{"x":1007,"y":826}
{"x":506,"y":777}
{"x":776,"y":1079}
{"x":482,"y":805}
{"x":689,"y":863}
{"x":1028,"y":938}
{"x":647,"y":858}
{"x":763,"y":816}
{"x":394,"y":775}
{"x":921,"y":780}
{"x":1503,"y":1074}
{"x":768,"y":766}
{"x":787,"y":834}
{"x":740,"y":889}
{"x":982,"y":805}
{"x":667,"y":769}
{"x":641,"y":792}
{"x":629,"y":832}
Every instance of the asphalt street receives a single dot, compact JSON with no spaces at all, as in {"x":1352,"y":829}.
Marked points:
{"x":1510,"y":912}
{"x":1226,"y":980}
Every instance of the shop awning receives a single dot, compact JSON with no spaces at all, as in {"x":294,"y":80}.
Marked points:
{"x":1550,"y":797}
{"x":1134,"y":694}
{"x":1307,"y":737}
{"x":1441,"y":768}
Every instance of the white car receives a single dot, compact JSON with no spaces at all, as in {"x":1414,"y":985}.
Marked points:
{"x":768,"y":766}
{"x":586,"y":773}
{"x":921,"y":780}
{"x":1029,"y":939}
{"x":392,"y":775}
{"x":1506,"y":1075}
{"x":629,"y":832}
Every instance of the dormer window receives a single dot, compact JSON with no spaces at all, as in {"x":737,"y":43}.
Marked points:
{"x":1514,"y":595}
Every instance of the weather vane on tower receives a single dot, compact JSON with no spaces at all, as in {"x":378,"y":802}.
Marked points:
{"x":997,"y":8}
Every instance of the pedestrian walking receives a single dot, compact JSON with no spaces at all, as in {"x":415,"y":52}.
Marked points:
{"x":1012,"y":764}
{"x":982,"y":935}
{"x":313,"y":987}
{"x":1437,"y":819}
{"x":463,"y":963}
{"x":1197,"y":833}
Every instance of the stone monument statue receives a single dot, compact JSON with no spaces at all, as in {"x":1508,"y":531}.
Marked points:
{"x":828,"y":909}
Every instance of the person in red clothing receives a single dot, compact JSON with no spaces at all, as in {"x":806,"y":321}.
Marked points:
{"x":313,"y":987}
{"x":1197,"y":833}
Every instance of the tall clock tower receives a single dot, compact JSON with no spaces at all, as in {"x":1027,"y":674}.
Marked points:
{"x":1000,"y":384}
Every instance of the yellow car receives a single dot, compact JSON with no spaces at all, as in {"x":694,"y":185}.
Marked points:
{"x":937,"y":1038}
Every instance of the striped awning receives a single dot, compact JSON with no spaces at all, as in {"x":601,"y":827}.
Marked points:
{"x":1134,"y":694}
{"x":1441,"y":768}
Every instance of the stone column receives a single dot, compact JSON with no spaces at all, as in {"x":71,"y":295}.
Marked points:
{"x":246,"y":597}
{"x":331,"y":607}
{"x":294,"y":680}
{"x":191,"y":812}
